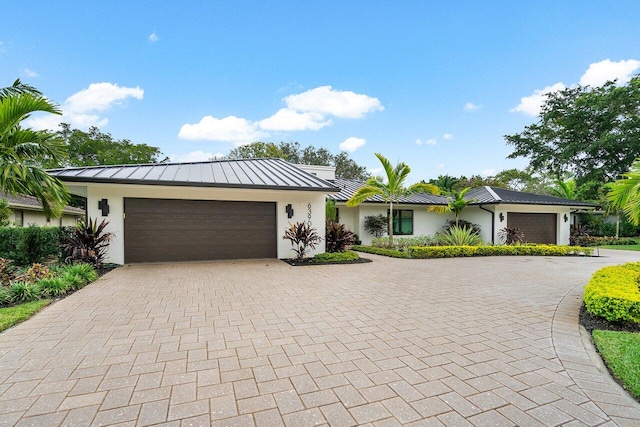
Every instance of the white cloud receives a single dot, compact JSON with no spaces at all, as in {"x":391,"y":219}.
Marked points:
{"x":328,"y":101}
{"x":440,"y":166}
{"x":375,"y":171}
{"x":601,"y":72}
{"x":431,"y":141}
{"x":228,"y":129}
{"x":447,"y":136}
{"x":352,"y":144}
{"x":195,"y":156}
{"x":488,"y":172}
{"x":100,"y":97}
{"x":289,"y":120}
{"x":153,"y":37}
{"x":31,"y":73}
{"x":79,"y":110}
{"x":532,"y":104}
{"x":470,"y":106}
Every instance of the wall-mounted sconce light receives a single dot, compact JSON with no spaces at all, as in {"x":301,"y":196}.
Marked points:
{"x":501,"y":216}
{"x":289,"y":210}
{"x":566,"y":218}
{"x":103,"y":205}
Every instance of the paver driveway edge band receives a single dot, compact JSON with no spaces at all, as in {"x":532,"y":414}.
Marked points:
{"x":580,"y":338}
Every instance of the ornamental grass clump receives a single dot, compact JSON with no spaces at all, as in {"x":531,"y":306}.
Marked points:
{"x":459,"y":236}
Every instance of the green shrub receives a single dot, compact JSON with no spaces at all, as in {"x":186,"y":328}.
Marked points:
{"x":459,"y":236}
{"x":403,"y":243}
{"x":463,"y":251}
{"x":74,"y":281}
{"x":394,"y":253}
{"x":33,"y":244}
{"x":22,"y":292}
{"x":53,"y":287}
{"x":5,"y":295}
{"x":85,"y":272}
{"x":613,"y":293}
{"x":336,"y":257}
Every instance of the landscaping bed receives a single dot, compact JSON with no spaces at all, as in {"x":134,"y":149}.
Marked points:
{"x":469,"y":251}
{"x":328,"y":258}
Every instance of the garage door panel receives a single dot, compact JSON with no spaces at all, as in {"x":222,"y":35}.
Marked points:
{"x":184,"y":230}
{"x":537,"y":227}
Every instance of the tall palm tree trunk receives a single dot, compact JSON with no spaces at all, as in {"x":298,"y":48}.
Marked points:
{"x":391,"y":223}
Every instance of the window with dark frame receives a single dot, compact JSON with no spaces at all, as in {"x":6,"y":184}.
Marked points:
{"x":402,"y":221}
{"x":18,"y":218}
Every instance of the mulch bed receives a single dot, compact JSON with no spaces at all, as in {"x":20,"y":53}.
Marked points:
{"x":105,"y":268}
{"x":310,"y":261}
{"x":591,"y":322}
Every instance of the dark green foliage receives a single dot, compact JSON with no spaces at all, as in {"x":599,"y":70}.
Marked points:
{"x":376,"y":225}
{"x":579,"y":235}
{"x":590,"y":132}
{"x":336,"y":257}
{"x":302,"y":237}
{"x":28,"y":245}
{"x":5,"y":213}
{"x":88,"y":243}
{"x":475,"y":228}
{"x":100,"y":148}
{"x":20,"y":292}
{"x":53,"y":287}
{"x":511,"y":236}
{"x":85,"y":272}
{"x":338,"y":237}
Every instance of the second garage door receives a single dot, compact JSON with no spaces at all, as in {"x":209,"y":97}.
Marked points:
{"x":196,"y":230}
{"x":537,"y":227}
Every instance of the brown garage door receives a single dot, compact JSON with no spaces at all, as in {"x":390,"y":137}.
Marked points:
{"x":195,"y":230}
{"x":537,"y":227}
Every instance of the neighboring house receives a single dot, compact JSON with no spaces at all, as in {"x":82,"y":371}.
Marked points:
{"x":543,"y":219}
{"x":223,"y":209}
{"x":27,"y":210}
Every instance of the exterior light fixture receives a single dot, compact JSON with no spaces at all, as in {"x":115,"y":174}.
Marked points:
{"x":289,"y":210}
{"x":501,"y":216}
{"x":566,"y":218}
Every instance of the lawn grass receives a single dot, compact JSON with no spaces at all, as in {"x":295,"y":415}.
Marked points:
{"x":625,"y":247}
{"x":10,"y":316}
{"x":621,"y":353}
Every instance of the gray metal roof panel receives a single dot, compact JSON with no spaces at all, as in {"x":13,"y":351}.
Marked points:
{"x":249,"y":173}
{"x":495,"y":195}
{"x":349,"y":186}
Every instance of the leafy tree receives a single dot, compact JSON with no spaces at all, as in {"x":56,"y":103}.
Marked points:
{"x":445,"y":182}
{"x":566,"y":189}
{"x":392,"y":190}
{"x":257,"y":150}
{"x":94,"y":148}
{"x":5,"y":213}
{"x":23,"y":150}
{"x":625,"y":193}
{"x":346,"y":167}
{"x":591,"y":133}
{"x":456,"y":203}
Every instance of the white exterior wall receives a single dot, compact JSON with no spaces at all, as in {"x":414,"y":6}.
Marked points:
{"x":475,"y":215}
{"x":116,"y":194}
{"x":39,"y":218}
{"x":424,"y":223}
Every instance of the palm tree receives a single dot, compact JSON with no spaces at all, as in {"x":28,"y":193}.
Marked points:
{"x":445,"y":182}
{"x":566,"y":189}
{"x":392,"y":190}
{"x":625,"y":193}
{"x":22,"y":150}
{"x":456,"y":203}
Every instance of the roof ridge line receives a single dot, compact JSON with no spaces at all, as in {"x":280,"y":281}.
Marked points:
{"x":493,"y":193}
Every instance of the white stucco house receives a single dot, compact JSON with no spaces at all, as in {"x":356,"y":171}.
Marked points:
{"x":222,"y":209}
{"x":27,"y":210}
{"x":543,"y":219}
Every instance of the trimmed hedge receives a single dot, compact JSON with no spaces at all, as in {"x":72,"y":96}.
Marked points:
{"x":614,"y":293}
{"x":28,"y":245}
{"x":466,"y":251}
{"x":381,"y":251}
{"x":336,"y":256}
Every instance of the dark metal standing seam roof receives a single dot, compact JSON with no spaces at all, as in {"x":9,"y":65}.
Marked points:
{"x":31,"y":203}
{"x":349,"y":186}
{"x":494,"y":195}
{"x":275,"y":174}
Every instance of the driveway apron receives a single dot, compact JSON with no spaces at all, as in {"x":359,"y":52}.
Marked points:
{"x":469,"y":341}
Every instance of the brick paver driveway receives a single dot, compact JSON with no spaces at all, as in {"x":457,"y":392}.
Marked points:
{"x":481,"y":341}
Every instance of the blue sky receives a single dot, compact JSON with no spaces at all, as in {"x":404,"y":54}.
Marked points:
{"x":433,"y":84}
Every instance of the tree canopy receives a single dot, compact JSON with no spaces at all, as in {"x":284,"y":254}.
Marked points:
{"x":24,"y":150}
{"x":345,"y":166}
{"x":591,"y":133}
{"x":95,"y":148}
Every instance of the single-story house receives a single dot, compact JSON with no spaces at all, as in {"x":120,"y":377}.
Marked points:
{"x":27,"y":210}
{"x":542,"y":219}
{"x":222,"y":209}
